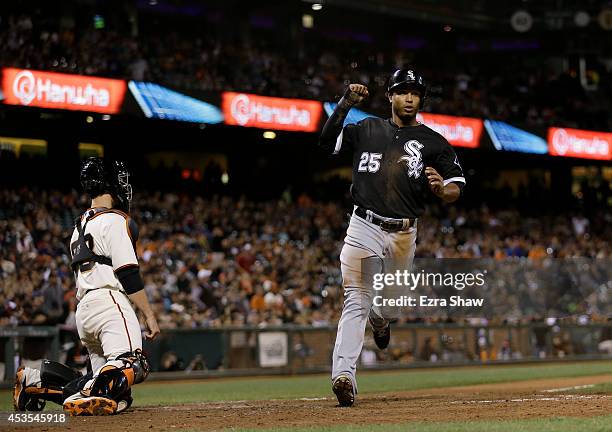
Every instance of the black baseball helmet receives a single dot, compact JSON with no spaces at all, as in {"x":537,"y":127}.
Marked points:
{"x":403,"y":78}
{"x":100,"y":176}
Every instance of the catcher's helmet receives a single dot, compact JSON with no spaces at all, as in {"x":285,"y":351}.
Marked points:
{"x":100,"y":176}
{"x":408,"y":78}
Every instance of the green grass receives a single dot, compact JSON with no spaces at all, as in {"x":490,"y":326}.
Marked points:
{"x":158,"y":393}
{"x":604,"y":388}
{"x":170,"y":393}
{"x":558,"y":424}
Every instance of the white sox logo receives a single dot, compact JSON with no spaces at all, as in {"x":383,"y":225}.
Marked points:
{"x":414,"y":159}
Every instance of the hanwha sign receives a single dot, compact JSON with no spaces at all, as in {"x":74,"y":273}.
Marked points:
{"x":24,"y":87}
{"x":251,"y":110}
{"x":459,"y":131}
{"x":580,"y":143}
{"x":62,"y":91}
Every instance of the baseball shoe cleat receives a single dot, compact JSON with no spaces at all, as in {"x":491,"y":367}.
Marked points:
{"x":90,"y":406}
{"x":382,"y":335}
{"x":343,"y":389}
{"x":22,"y":400}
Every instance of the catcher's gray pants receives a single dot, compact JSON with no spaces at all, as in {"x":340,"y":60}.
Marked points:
{"x":367,"y":249}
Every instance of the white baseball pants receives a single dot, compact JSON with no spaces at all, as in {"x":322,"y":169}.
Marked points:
{"x":382,"y":252}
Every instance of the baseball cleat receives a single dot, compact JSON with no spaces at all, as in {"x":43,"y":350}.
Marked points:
{"x":90,"y":406}
{"x":382,"y":336}
{"x":22,"y":400}
{"x":343,"y":389}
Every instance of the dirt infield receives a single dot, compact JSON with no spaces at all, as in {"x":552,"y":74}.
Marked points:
{"x":517,"y":400}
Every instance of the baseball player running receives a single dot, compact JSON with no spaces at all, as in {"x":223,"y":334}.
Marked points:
{"x":397,"y":163}
{"x":108,"y":283}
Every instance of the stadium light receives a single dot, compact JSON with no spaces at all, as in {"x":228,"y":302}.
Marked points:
{"x":307,"y":21}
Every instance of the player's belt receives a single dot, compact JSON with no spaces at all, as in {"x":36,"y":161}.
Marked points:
{"x":90,"y":290}
{"x":96,"y":289}
{"x":386,"y":224}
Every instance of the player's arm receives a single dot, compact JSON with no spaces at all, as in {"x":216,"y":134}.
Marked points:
{"x":333,"y":136}
{"x":446,"y":179}
{"x":139,"y":298}
{"x":448,"y":193}
{"x":122,"y":237}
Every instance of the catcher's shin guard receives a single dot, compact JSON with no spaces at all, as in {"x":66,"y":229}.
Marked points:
{"x":24,"y":397}
{"x":113,"y":381}
{"x":54,"y":374}
{"x":139,"y":364}
{"x":33,"y":387}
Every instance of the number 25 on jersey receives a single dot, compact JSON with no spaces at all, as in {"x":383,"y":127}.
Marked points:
{"x":369,"y":162}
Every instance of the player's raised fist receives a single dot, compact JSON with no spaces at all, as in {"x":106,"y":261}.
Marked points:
{"x":356,"y":93}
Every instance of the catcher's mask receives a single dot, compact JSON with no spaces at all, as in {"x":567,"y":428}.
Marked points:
{"x":100,"y":176}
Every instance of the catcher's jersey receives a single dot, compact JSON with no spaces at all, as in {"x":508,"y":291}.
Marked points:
{"x":389,"y":165}
{"x":109,"y":229}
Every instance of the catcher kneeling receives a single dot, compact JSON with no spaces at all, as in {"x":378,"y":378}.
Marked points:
{"x":109,"y":287}
{"x":101,"y":392}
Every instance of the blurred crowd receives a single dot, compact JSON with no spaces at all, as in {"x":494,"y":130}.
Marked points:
{"x":461,"y":83}
{"x":221,"y":261}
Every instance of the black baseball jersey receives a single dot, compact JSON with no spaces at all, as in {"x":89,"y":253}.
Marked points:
{"x":389,"y":165}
